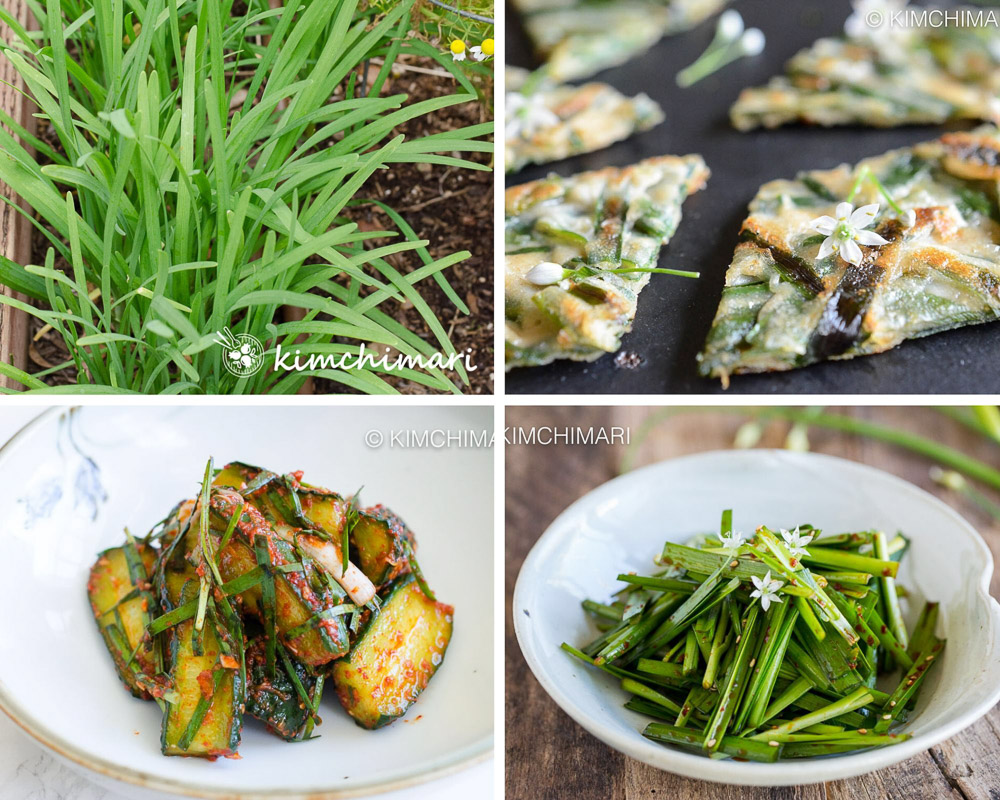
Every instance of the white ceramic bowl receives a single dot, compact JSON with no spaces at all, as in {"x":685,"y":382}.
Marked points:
{"x":67,"y":491}
{"x":619,"y":526}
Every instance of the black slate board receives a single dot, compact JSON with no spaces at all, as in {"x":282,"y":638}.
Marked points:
{"x":675,"y":313}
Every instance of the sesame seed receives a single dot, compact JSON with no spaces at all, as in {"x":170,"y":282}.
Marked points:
{"x":710,"y":742}
{"x":887,"y":716}
{"x":773,"y":743}
{"x":862,"y":731}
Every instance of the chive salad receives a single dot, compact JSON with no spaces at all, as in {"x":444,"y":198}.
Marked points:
{"x":770,"y":647}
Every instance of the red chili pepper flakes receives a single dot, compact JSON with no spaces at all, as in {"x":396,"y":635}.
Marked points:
{"x":205,"y":683}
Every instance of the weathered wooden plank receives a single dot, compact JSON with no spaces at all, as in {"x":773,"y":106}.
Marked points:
{"x":547,"y":753}
{"x":549,"y":756}
{"x":969,"y":761}
{"x":15,"y":230}
{"x":641,"y":781}
{"x":917,"y":778}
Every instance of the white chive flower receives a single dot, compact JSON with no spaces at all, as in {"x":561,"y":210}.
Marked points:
{"x":767,"y":590}
{"x":730,"y":26}
{"x":796,"y":542}
{"x":546,"y":273}
{"x":731,"y":42}
{"x":847,"y":231}
{"x":752,"y":42}
{"x":733,"y":541}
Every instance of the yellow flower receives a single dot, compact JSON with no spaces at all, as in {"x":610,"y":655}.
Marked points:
{"x":457,"y":48}
{"x":483,"y":51}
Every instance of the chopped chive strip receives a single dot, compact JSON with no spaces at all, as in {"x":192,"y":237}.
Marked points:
{"x":730,"y":745}
{"x":310,"y":703}
{"x":200,"y":710}
{"x":205,"y":580}
{"x":417,"y":572}
{"x":184,"y":612}
{"x":768,"y":650}
{"x":233,"y":520}
{"x":352,"y":516}
{"x":603,"y":611}
{"x":268,"y":601}
{"x":856,"y":699}
{"x":316,"y":619}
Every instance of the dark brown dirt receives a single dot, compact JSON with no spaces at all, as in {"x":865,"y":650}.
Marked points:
{"x":452,"y":209}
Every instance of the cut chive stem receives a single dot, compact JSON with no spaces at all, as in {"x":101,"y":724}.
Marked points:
{"x":856,"y":699}
{"x":730,"y":745}
{"x":888,"y":586}
{"x":792,"y":692}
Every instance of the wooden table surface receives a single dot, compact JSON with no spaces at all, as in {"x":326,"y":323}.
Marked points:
{"x":549,"y":756}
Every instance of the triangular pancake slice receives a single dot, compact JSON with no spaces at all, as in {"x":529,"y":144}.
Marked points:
{"x":783,"y":307}
{"x":591,"y":223}
{"x":935,"y":75}
{"x":547,"y":121}
{"x":578,"y":38}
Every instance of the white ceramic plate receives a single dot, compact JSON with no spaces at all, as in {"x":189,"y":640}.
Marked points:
{"x":67,"y":491}
{"x":619,"y":526}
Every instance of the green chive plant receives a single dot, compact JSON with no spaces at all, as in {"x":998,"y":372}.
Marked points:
{"x":200,"y":160}
{"x":952,"y":468}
